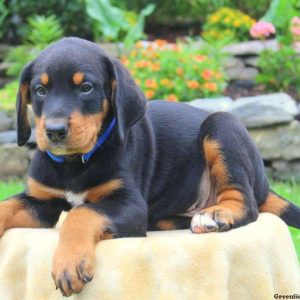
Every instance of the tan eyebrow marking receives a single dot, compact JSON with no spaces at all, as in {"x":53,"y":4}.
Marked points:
{"x":44,"y":79}
{"x":78,"y":77}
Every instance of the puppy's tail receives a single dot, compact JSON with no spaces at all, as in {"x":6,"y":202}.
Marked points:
{"x":287,"y":211}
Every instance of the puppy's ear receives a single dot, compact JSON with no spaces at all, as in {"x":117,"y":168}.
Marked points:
{"x":129,"y":102}
{"x":23,"y":99}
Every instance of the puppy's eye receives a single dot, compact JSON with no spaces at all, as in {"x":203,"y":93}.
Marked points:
{"x":40,"y":90}
{"x":86,"y":88}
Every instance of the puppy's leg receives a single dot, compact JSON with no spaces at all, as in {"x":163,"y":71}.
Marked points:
{"x":25,"y":211}
{"x":85,"y":226}
{"x":236,"y":173}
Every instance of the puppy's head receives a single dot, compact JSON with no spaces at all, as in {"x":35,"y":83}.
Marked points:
{"x":75,"y":91}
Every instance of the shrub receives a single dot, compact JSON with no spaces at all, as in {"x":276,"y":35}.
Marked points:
{"x":280,"y":69}
{"x":71,"y":15}
{"x":41,"y":32}
{"x":175,"y":71}
{"x":170,"y":11}
{"x":114,"y":24}
{"x":282,"y":20}
{"x":227,"y":23}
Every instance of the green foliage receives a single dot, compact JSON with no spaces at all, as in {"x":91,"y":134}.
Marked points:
{"x":3,"y":16}
{"x":178,"y":11}
{"x":8,"y":96}
{"x":291,"y":191}
{"x":41,"y":32}
{"x":112,"y":23}
{"x":282,"y":20}
{"x":227,"y":23}
{"x":10,"y":188}
{"x":176,"y":72}
{"x":70,"y":14}
{"x":280,"y":69}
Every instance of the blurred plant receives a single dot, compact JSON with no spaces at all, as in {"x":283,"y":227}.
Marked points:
{"x":3,"y":14}
{"x":42,"y":31}
{"x":114,"y":24}
{"x":227,"y":23}
{"x":279,"y":70}
{"x":175,"y":72}
{"x":261,"y":30}
{"x":190,"y":11}
{"x":280,"y":14}
{"x":70,"y":14}
{"x":8,"y":96}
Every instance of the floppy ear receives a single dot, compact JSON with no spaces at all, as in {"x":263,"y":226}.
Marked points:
{"x":23,"y":98}
{"x":129,"y":102}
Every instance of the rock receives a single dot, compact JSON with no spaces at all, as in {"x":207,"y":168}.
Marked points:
{"x":233,"y":62}
{"x":281,"y":142}
{"x":10,"y":137}
{"x":212,"y":104}
{"x":286,"y":170}
{"x":6,"y":123}
{"x":246,"y":73}
{"x":265,"y":110}
{"x":13,"y":160}
{"x":252,"y":61}
{"x":251,"y":47}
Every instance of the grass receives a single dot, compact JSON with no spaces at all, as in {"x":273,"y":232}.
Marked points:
{"x":290,"y":190}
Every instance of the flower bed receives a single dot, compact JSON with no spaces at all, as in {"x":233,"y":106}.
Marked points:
{"x":175,"y":71}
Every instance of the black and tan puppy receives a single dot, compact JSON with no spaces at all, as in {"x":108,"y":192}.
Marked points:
{"x":122,"y":166}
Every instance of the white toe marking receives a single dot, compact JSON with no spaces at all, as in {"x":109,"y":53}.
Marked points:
{"x":202,"y":220}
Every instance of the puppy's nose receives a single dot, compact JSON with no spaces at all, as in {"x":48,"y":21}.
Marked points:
{"x":56,"y":132}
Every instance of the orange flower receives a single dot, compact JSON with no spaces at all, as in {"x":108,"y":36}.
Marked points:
{"x":206,"y":74}
{"x":141,"y":64}
{"x":160,"y":43}
{"x":139,"y":44}
{"x":124,"y":60}
{"x":179,"y":71}
{"x":211,"y":86}
{"x":172,"y":97}
{"x":192,"y":84}
{"x":200,"y":58}
{"x":155,"y":67}
{"x":149,"y":94}
{"x":218,"y":75}
{"x":151,"y":83}
{"x":165,"y":81}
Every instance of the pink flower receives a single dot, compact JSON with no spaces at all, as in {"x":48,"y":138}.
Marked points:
{"x":295,"y":21}
{"x":262,"y":29}
{"x":295,"y":31}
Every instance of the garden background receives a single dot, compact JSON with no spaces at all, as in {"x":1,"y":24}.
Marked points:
{"x":237,"y":56}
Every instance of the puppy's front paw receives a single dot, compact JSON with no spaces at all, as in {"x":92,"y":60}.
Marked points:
{"x":211,"y":220}
{"x":72,"y":269}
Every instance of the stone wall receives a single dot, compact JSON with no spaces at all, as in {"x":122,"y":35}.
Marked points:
{"x":273,"y":122}
{"x":242,"y":63}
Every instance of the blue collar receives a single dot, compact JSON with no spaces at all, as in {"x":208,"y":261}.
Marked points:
{"x":85,"y":157}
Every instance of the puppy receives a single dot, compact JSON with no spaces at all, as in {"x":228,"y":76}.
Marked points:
{"x":121,"y":165}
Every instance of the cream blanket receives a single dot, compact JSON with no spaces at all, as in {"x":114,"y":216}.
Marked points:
{"x":253,"y":262}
